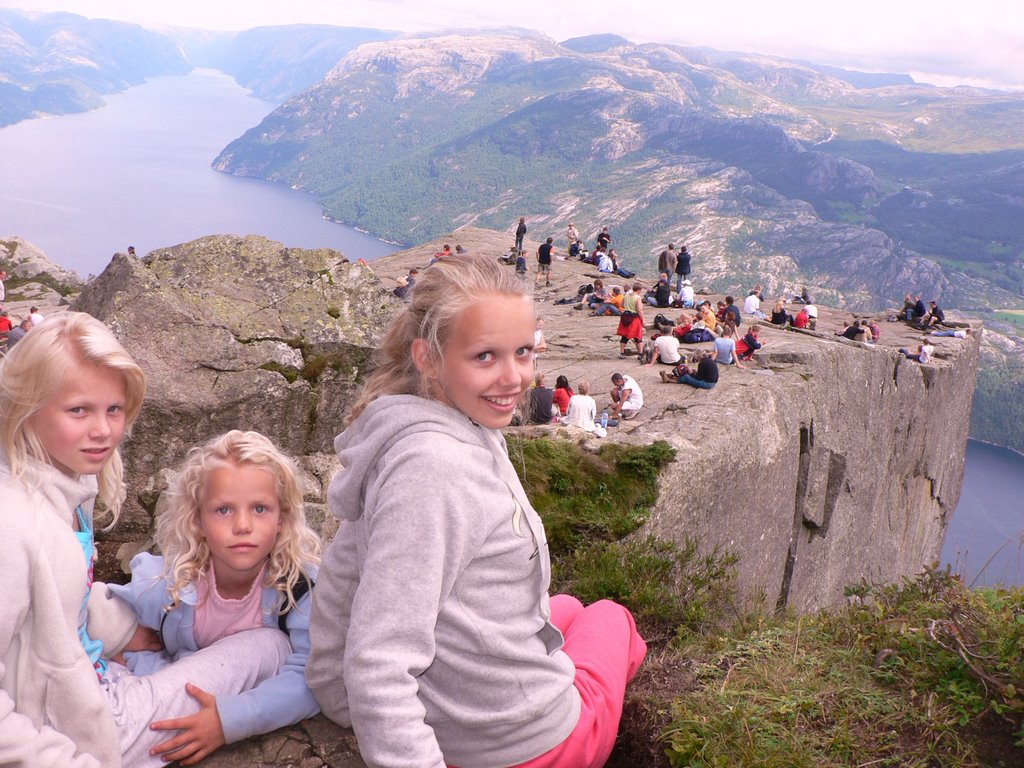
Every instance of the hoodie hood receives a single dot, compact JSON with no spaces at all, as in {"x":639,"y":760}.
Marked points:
{"x":61,"y":491}
{"x":385,"y":421}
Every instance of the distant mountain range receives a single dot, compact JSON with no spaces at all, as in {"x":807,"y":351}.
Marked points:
{"x":860,"y":186}
{"x":59,"y":63}
{"x":772,"y":171}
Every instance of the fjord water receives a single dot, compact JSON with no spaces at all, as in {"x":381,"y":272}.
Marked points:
{"x":985,"y":539}
{"x":137,"y":172}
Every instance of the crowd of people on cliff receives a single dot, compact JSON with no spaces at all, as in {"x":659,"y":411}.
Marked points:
{"x":732,"y":328}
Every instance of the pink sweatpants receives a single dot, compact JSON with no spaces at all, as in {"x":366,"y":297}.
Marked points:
{"x":603,"y":643}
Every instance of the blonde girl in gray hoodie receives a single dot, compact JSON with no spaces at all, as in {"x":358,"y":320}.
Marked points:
{"x":68,"y":393}
{"x":432,"y":632}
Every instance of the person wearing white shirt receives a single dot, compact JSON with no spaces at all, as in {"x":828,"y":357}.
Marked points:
{"x":752,"y":306}
{"x":582,"y":411}
{"x":686,"y":294}
{"x":666,"y":347}
{"x":627,"y":398}
{"x":36,"y":317}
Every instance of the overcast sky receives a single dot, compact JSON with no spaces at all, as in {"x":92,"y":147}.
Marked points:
{"x":946,"y":42}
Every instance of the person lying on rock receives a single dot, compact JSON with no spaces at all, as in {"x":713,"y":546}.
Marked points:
{"x":923,"y":355}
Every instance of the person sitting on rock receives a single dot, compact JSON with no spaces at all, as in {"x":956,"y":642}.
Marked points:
{"x":779,"y":314}
{"x":661,"y":296}
{"x":707,"y":314}
{"x":562,"y":395}
{"x":705,"y":377}
{"x":582,"y":411}
{"x":934,"y":317}
{"x":666,"y":350}
{"x":604,"y":261}
{"x":404,"y":290}
{"x":597,"y":296}
{"x":724,"y":348}
{"x":752,"y":305}
{"x":801,"y":319}
{"x":5,"y":328}
{"x":541,"y":408}
{"x":920,"y":310}
{"x":444,"y":253}
{"x":732,"y":311}
{"x":684,"y":324}
{"x":803,"y":298}
{"x":720,"y":312}
{"x":686,"y":294}
{"x":812,"y":316}
{"x":907,"y":313}
{"x":18,"y":332}
{"x":749,"y":344}
{"x":627,"y":398}
{"x":854,"y":331}
{"x":613,"y":306}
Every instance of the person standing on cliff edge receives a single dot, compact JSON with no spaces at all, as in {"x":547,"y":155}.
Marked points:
{"x":520,"y":234}
{"x":682,"y":266}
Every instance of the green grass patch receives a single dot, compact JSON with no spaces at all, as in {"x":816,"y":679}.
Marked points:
{"x":897,"y":679}
{"x":291,"y":374}
{"x":670,"y":589}
{"x":589,"y":502}
{"x":585,"y":498}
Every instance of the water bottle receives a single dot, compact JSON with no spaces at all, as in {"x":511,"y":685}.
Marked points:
{"x":604,"y":419}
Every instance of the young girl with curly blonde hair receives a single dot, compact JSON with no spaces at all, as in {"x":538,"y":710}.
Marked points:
{"x":237,"y":555}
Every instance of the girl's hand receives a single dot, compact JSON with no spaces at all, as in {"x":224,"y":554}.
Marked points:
{"x":201,"y":733}
{"x":144,"y":639}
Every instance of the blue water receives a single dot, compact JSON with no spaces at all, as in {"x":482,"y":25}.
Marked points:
{"x":985,"y":539}
{"x":137,"y":172}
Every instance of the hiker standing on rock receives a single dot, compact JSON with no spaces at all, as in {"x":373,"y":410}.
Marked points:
{"x":520,"y":233}
{"x":682,"y":266}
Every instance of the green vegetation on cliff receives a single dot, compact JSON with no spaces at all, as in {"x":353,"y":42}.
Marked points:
{"x":928,"y":673}
{"x":998,"y":412}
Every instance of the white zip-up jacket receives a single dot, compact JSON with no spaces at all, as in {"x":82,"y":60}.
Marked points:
{"x":52,"y":709}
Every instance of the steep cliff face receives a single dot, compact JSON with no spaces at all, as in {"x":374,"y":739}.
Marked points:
{"x":844,"y":464}
{"x":826,"y":463}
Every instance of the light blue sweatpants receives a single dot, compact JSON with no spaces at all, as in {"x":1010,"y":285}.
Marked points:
{"x":228,"y":667}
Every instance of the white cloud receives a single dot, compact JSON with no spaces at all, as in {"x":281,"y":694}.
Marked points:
{"x":977,"y":41}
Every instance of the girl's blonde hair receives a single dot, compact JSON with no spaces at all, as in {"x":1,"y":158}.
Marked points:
{"x":37,"y":368}
{"x":447,"y":288}
{"x":178,"y":533}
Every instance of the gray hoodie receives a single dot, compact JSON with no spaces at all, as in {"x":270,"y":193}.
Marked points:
{"x":430,"y":626}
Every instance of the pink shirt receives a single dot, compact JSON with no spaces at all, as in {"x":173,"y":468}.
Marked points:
{"x":218,"y":617}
